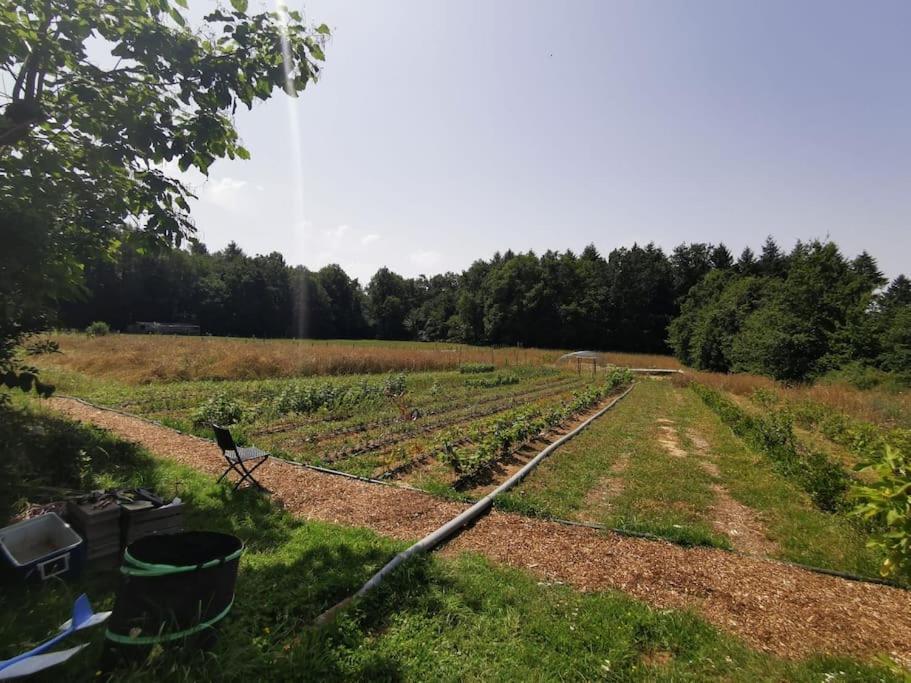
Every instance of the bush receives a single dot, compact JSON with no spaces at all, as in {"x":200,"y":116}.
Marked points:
{"x":864,"y":439}
{"x":773,"y":435}
{"x":221,"y":409}
{"x":886,"y":504}
{"x":309,"y":397}
{"x":99,"y":328}
{"x":862,"y":377}
{"x":475,"y":368}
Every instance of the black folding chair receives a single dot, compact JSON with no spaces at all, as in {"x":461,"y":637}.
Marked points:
{"x":238,"y":457}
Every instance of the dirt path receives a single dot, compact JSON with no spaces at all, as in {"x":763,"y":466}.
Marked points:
{"x":599,"y":500}
{"x":741,"y":524}
{"x":772,"y":606}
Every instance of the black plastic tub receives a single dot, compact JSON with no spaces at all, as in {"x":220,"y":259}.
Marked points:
{"x":175,"y":588}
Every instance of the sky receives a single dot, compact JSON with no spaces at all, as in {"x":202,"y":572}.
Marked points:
{"x":442,"y":132}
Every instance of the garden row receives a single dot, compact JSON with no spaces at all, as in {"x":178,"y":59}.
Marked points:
{"x":411,"y":429}
{"x":882,"y":507}
{"x":490,"y":441}
{"x":772,"y":434}
{"x":436,"y":407}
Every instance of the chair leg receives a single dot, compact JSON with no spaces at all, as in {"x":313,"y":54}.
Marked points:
{"x":248,"y":475}
{"x":253,"y":469}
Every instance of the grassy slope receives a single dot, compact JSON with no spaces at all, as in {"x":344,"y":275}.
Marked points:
{"x":440,"y":619}
{"x":671,"y":496}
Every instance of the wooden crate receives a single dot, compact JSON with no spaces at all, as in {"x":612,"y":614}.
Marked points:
{"x":166,"y":519}
{"x":100,"y":527}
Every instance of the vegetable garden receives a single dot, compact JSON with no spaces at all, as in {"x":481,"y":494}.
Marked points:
{"x":437,"y":429}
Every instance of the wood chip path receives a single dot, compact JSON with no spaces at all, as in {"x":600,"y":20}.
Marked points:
{"x":772,"y":606}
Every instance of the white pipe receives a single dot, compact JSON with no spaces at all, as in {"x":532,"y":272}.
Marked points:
{"x":483,"y":506}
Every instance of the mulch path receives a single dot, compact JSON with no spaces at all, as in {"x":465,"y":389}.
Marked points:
{"x":772,"y":606}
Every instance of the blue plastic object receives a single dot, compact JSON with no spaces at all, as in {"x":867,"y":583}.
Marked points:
{"x":40,"y":548}
{"x":35,"y":660}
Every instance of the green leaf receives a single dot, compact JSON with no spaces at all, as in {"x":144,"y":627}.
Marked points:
{"x":317,"y":52}
{"x":242,"y":152}
{"x":323,"y":29}
{"x":177,"y":17}
{"x":182,"y":3}
{"x":239,"y":5}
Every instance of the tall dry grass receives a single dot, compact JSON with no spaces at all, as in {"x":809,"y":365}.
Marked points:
{"x":879,"y":406}
{"x":141,"y":359}
{"x":642,"y":360}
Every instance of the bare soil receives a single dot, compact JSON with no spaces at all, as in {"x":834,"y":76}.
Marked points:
{"x":668,"y":438}
{"x":599,"y":499}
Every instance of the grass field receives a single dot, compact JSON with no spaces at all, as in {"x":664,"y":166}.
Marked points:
{"x":443,"y":619}
{"x":662,"y":462}
{"x":138,"y":359}
{"x":665,"y":464}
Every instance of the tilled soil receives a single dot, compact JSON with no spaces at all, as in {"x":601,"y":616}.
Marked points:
{"x":772,"y":606}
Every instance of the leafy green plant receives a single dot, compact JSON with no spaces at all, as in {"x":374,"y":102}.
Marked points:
{"x":395,"y":389}
{"x":221,"y":409}
{"x":99,"y":328}
{"x":476,"y":368}
{"x":497,"y":380}
{"x":497,"y":437}
{"x":864,"y":439}
{"x":764,"y":397}
{"x":886,"y":505}
{"x":773,"y":435}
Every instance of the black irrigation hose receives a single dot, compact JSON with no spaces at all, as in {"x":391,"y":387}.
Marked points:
{"x":859,"y":578}
{"x":466,"y":517}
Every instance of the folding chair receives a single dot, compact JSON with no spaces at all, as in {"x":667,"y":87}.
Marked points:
{"x":238,"y":457}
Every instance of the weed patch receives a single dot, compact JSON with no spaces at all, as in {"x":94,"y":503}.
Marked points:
{"x":773,"y":435}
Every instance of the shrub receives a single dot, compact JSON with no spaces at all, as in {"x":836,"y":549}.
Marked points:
{"x":773,"y":435}
{"x":475,"y":368}
{"x":886,"y":504}
{"x":99,"y":328}
{"x":861,"y":376}
{"x":764,"y":397}
{"x":221,"y":409}
{"x":309,"y":397}
{"x":864,"y":439}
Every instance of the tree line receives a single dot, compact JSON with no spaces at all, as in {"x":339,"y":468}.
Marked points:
{"x":796,"y":316}
{"x":791,"y":316}
{"x":624,"y":301}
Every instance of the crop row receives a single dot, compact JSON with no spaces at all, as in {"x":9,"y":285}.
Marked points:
{"x":411,"y":431}
{"x":498,"y":380}
{"x":494,"y":440}
{"x":438,"y":409}
{"x":866,"y":440}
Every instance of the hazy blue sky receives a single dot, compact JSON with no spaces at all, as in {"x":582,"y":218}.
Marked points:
{"x":441,"y":132}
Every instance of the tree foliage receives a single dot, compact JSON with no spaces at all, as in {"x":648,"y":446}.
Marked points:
{"x":102,"y":96}
{"x":796,"y":316}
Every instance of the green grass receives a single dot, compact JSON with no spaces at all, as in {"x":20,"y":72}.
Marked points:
{"x":436,"y":619}
{"x":661,"y":495}
{"x":672,"y":497}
